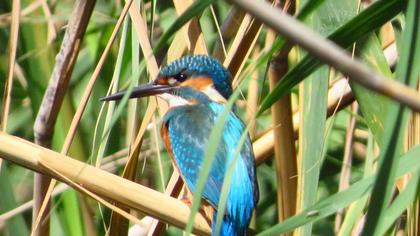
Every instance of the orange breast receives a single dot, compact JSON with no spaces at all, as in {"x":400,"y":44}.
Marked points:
{"x":206,"y":209}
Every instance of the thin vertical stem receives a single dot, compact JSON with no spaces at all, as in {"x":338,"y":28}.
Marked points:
{"x":284,"y":138}
{"x":347,"y":162}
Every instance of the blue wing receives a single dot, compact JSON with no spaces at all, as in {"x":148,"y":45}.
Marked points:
{"x":188,"y":132}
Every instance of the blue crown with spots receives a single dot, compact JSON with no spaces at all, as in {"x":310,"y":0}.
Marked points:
{"x":201,"y":65}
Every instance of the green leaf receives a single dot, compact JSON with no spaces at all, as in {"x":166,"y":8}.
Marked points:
{"x":368,"y":20}
{"x":70,"y":213}
{"x":407,"y":72}
{"x":401,"y":203}
{"x":374,"y":106}
{"x":111,"y":105}
{"x":308,"y":8}
{"x":408,"y":163}
{"x":315,"y":90}
{"x":313,"y":125}
{"x":40,"y":65}
{"x":15,"y":225}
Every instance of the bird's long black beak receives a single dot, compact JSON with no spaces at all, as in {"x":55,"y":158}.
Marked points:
{"x":140,"y":91}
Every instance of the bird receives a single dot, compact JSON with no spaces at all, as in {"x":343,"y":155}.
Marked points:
{"x":197,"y":88}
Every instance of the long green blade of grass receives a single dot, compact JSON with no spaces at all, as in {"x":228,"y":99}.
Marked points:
{"x":70,"y":213}
{"x":312,"y":135}
{"x":16,"y":225}
{"x":400,"y":204}
{"x":370,"y":19}
{"x":374,"y":107}
{"x":408,"y":163}
{"x":314,"y":93}
{"x":111,"y":105}
{"x":407,"y":72}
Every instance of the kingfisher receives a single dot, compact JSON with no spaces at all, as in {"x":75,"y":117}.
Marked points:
{"x":197,"y":89}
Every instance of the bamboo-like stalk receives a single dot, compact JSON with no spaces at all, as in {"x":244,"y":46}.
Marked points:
{"x":284,"y":142}
{"x":110,"y":164}
{"x":387,"y":35}
{"x":330,"y":53}
{"x":348,"y":154}
{"x":102,"y":183}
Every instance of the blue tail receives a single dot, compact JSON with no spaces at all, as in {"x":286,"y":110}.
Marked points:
{"x":229,"y":227}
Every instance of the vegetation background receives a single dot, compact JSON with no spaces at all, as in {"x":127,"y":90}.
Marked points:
{"x":329,"y":137}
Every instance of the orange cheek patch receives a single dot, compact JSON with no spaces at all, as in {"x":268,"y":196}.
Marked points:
{"x":198,"y":83}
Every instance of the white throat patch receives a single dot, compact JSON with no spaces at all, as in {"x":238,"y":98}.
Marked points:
{"x":173,"y":101}
{"x":215,"y":96}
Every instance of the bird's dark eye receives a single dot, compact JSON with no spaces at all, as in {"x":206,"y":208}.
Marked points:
{"x":181,"y":77}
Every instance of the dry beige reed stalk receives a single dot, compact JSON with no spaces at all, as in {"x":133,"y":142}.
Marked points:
{"x":99,"y":182}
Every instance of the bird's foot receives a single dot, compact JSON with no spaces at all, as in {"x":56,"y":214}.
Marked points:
{"x":187,"y":201}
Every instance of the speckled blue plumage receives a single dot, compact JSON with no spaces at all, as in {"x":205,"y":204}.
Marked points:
{"x":189,"y":127}
{"x":201,"y":65}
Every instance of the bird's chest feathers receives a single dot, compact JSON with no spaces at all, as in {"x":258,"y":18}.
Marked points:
{"x":186,"y":131}
{"x":191,"y":121}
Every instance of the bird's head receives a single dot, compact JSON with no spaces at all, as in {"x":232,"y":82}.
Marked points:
{"x":185,"y":81}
